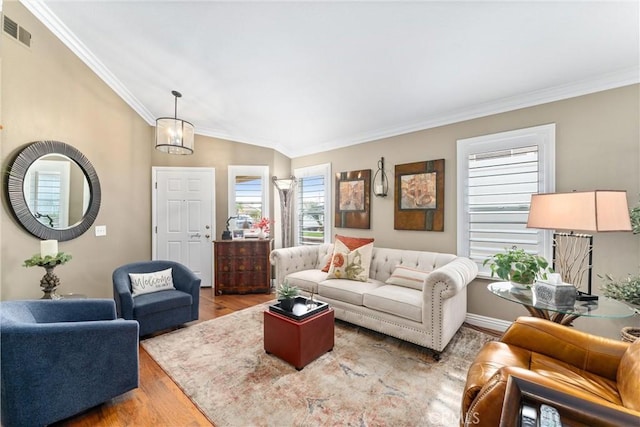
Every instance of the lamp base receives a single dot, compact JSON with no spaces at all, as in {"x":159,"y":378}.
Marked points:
{"x":586,"y":297}
{"x":226,"y":235}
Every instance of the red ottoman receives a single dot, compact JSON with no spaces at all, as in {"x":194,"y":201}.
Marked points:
{"x":298,"y":342}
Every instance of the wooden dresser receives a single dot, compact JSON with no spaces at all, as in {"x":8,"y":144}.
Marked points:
{"x":242,"y":266}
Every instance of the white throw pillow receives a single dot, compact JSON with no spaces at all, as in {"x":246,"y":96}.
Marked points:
{"x":146,"y":283}
{"x":408,"y":277}
{"x":351,"y":265}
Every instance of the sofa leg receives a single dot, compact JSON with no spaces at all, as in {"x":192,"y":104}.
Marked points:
{"x":437,"y":355}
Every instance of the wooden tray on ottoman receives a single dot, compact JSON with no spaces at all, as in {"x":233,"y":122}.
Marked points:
{"x":298,"y":342}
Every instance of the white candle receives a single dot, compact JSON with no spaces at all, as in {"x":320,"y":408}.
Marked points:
{"x":48,"y":247}
{"x":378,"y":189}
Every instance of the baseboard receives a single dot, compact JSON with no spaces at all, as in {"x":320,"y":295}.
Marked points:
{"x":487,"y":322}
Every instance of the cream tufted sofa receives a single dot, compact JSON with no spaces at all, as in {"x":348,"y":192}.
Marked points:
{"x":428,"y":317}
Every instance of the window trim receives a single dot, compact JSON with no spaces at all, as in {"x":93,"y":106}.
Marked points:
{"x":255,"y":170}
{"x":315,"y":170}
{"x":544,"y":137}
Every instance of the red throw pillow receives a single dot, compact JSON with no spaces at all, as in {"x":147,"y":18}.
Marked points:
{"x":351,"y":243}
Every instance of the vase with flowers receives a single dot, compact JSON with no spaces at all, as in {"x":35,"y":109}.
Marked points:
{"x":264,"y":225}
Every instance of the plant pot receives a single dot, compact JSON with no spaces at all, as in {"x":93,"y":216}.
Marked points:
{"x":630,"y":334}
{"x":287,"y":304}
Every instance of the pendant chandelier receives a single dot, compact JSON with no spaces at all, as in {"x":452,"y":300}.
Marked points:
{"x":174,"y":135}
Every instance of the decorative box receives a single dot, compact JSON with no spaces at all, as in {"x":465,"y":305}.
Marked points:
{"x":557,"y":295}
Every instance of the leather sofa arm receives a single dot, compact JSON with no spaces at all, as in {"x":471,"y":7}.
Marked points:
{"x":590,"y":353}
{"x":486,"y":408}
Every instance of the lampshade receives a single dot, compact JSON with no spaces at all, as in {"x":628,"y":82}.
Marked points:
{"x":284,"y":183}
{"x":173,"y":135}
{"x":586,"y":210}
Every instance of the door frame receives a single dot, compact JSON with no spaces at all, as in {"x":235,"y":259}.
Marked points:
{"x":154,"y":216}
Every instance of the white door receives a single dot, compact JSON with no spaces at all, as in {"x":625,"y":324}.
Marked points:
{"x":183,"y":218}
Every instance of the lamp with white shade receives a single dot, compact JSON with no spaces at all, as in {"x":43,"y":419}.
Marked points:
{"x":591,"y":211}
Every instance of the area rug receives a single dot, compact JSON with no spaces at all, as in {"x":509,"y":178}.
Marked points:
{"x":369,"y":379}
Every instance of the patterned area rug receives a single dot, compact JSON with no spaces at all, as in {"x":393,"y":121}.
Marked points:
{"x":369,"y":379}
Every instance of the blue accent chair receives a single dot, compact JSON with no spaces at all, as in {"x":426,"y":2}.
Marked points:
{"x":158,"y":310}
{"x":62,"y":357}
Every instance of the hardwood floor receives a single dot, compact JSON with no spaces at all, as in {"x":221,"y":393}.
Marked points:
{"x":158,"y":401}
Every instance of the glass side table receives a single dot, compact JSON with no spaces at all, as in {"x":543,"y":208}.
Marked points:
{"x":602,"y":307}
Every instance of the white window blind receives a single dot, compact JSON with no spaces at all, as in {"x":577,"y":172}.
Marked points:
{"x":313,"y":200}
{"x":44,"y":198}
{"x":497,"y":174}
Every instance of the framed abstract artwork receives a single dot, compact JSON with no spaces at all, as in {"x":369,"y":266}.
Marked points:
{"x":353,"y":196}
{"x":419,"y":196}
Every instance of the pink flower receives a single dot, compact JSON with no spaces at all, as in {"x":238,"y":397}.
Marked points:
{"x":264,"y":224}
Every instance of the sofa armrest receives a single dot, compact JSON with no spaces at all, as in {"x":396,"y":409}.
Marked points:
{"x":588,"y":352}
{"x":290,"y":260}
{"x":486,"y":408}
{"x":122,"y":294}
{"x":455,"y":276}
{"x":72,"y":310}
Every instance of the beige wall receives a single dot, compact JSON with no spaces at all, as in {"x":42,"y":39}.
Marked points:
{"x":597,"y":147}
{"x":48,"y":93}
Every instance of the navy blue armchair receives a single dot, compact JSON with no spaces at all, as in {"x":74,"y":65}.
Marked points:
{"x":158,"y":310}
{"x":61,"y":357}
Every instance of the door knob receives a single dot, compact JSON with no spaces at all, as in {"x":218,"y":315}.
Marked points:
{"x":207,"y":227}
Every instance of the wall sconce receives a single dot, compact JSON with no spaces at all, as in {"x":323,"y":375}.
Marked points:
{"x":380,"y":181}
{"x":285,"y":189}
{"x":174,"y":135}
{"x":587,"y":211}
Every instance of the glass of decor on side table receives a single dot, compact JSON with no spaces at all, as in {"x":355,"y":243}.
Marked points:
{"x":48,"y":258}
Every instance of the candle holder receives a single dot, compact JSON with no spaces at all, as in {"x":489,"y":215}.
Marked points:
{"x":49,"y":281}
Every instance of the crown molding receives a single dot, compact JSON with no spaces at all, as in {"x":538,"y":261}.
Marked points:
{"x":624,"y":77}
{"x":42,"y":12}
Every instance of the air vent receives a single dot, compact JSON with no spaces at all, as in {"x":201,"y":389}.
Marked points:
{"x":24,"y":36}
{"x":12,"y":28}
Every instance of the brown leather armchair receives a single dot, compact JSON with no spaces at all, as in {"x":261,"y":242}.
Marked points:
{"x":593,"y":368}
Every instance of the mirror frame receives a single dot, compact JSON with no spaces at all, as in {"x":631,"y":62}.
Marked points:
{"x":15,"y":189}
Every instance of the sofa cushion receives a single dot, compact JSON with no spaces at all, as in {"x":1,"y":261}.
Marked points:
{"x":306,"y":280}
{"x":160,"y":301}
{"x":350,"y":242}
{"x":350,"y":264}
{"x":144,"y":283}
{"x":408,"y":277}
{"x":397,"y":300}
{"x":348,"y":291}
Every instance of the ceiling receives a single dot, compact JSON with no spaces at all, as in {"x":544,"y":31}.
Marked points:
{"x":305,"y":77}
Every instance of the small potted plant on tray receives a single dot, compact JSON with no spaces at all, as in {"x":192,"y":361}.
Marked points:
{"x":518,"y":267}
{"x":287,"y":295}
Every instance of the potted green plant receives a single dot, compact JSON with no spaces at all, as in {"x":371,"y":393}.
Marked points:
{"x":517,"y":266}
{"x":286,"y":295}
{"x":627,"y":289}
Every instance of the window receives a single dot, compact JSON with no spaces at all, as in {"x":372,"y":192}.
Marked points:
{"x":496,"y":176}
{"x":46,"y":188}
{"x":313,"y":205}
{"x":248,"y":195}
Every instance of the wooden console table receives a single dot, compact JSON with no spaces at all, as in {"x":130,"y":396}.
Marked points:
{"x":242,"y":266}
